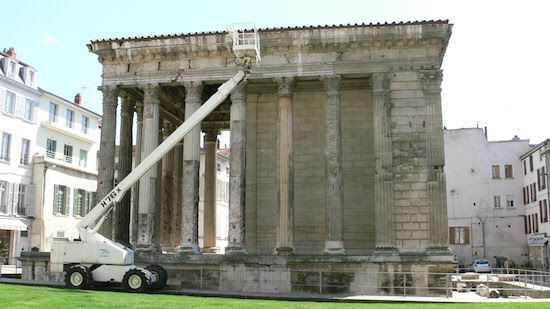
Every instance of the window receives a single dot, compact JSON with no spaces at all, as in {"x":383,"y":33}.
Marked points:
{"x":78,"y":202}
{"x":83,"y":158}
{"x":53,"y":112}
{"x":459,"y":235}
{"x":529,"y":225}
{"x":526,"y":225}
{"x":31,"y":77}
{"x":543,"y":209}
{"x":535,"y":223}
{"x":496,"y":171}
{"x":9,"y":107}
{"x":508,"y":171}
{"x":29,"y":110}
{"x":525,"y":196}
{"x":541,"y":178}
{"x":61,"y":200}
{"x":25,"y":146}
{"x":5,"y":150}
{"x":51,"y":146}
{"x":510,"y":201}
{"x":85,"y":124}
{"x":89,"y":202}
{"x":531,"y":163}
{"x":12,"y":70}
{"x":496,"y":200}
{"x":69,"y":119}
{"x":218,"y":167}
{"x":534,"y":192}
{"x":68,"y":153}
{"x":524,"y":167}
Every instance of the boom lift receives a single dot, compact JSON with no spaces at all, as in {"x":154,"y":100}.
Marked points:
{"x":93,"y":258}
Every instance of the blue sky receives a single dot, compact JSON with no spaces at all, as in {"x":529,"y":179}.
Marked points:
{"x":495,"y":70}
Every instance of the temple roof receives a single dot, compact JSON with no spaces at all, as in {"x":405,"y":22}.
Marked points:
{"x":168,"y":36}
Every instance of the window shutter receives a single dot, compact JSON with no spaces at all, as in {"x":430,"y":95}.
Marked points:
{"x":452,"y":239}
{"x":10,"y":198}
{"x":55,"y":199}
{"x":2,"y":98}
{"x":67,"y":200}
{"x":466,"y":235}
{"x":31,"y":195}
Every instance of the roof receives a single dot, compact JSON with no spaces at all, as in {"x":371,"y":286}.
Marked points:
{"x":535,"y":148}
{"x":43,"y":91}
{"x":168,"y":36}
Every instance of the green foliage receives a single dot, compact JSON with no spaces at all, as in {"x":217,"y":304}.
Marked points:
{"x":20,"y":296}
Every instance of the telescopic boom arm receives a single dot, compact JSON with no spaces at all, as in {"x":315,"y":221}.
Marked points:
{"x":102,"y":209}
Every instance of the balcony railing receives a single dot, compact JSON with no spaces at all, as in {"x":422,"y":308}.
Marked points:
{"x":50,"y":154}
{"x":67,"y":159}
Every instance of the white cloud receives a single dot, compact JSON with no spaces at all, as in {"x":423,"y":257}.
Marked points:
{"x":48,"y":38}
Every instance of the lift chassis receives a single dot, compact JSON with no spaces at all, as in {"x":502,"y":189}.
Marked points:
{"x":94,"y":259}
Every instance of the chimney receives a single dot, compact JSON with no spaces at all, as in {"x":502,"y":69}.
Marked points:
{"x":78,"y":99}
{"x":11,"y":52}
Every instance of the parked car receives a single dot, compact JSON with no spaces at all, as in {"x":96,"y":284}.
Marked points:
{"x":481,"y":266}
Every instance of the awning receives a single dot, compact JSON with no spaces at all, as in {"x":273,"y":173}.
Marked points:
{"x":12,"y":224}
{"x":537,"y":242}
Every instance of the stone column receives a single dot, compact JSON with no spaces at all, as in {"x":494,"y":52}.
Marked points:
{"x":191,"y":161}
{"x":124,"y":168}
{"x":167,"y":197}
{"x":210,"y":191}
{"x":135,"y":187}
{"x":333,"y":167}
{"x":383,"y":186}
{"x":176,"y":239}
{"x":435,"y":157}
{"x":147,"y":184}
{"x":237,"y":173}
{"x":106,"y":155}
{"x":285,"y":169}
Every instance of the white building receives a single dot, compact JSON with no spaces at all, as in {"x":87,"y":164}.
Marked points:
{"x":19,"y":99}
{"x":536,"y":199}
{"x":47,"y":161}
{"x":65,"y":168}
{"x":484,"y":196}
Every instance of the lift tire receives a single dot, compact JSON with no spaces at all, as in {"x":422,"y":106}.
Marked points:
{"x":161,"y":275}
{"x":136,"y":280}
{"x":78,"y":277}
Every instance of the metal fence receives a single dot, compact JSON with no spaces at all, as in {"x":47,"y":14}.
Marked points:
{"x":509,"y":282}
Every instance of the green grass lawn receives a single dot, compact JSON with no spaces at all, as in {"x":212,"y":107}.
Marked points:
{"x":19,"y":296}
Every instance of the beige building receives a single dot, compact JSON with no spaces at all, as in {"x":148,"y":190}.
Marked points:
{"x":535,"y":164}
{"x":336,"y":152}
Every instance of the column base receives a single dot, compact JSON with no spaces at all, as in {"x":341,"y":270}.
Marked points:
{"x":334,"y":247}
{"x":235,"y":250}
{"x":285,"y":251}
{"x":210,"y":250}
{"x":147,"y":248}
{"x":189,"y":248}
{"x":386,"y":251}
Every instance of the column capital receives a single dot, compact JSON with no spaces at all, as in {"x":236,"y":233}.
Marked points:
{"x":151,"y":92}
{"x":110,"y":94}
{"x":332,"y":84}
{"x":193,"y":90}
{"x":286,"y":85}
{"x":167,"y":127}
{"x":139,"y":112}
{"x":127,"y":105}
{"x":239,"y":93}
{"x":431,"y":79}
{"x":211,"y":135}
